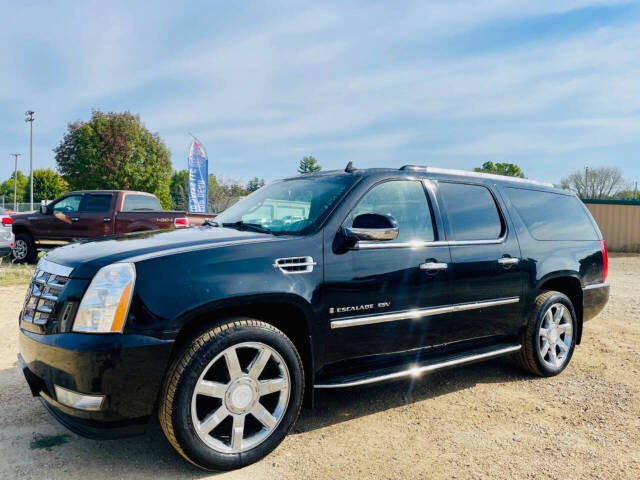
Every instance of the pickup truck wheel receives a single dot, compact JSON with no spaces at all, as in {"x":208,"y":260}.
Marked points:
{"x":24,"y":249}
{"x":549,"y":339}
{"x":232,"y":395}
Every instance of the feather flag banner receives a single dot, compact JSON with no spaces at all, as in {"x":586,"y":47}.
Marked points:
{"x":198,"y":177}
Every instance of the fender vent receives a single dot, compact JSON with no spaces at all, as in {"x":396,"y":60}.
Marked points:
{"x":295,"y":264}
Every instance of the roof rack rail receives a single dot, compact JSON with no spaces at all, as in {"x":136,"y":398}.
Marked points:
{"x":467,"y":173}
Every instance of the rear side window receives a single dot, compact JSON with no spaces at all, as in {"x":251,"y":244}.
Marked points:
{"x":406,"y":201}
{"x":96,"y":203}
{"x":471,"y":211}
{"x":141,"y":203}
{"x":552,"y":216}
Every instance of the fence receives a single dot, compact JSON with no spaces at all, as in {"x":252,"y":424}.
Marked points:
{"x":619,"y":221}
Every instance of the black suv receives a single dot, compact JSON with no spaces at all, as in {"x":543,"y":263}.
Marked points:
{"x":328,"y":280}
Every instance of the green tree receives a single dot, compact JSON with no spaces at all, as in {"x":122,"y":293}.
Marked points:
{"x":179,"y":190}
{"x":309,"y":165}
{"x":6,"y":189}
{"x":115,"y":151}
{"x":508,"y":169}
{"x":223,"y":193}
{"x":254,"y":184}
{"x":47,"y":185}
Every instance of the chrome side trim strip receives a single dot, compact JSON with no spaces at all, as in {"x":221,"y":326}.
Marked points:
{"x":54,"y":268}
{"x":419,"y":313}
{"x":421,"y":244}
{"x":415,"y":371}
{"x":595,"y":285}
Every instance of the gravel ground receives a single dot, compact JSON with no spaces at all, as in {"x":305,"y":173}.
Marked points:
{"x":481,"y":421}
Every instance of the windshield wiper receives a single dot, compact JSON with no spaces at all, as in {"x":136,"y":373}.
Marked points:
{"x":210,"y":223}
{"x":254,"y":227}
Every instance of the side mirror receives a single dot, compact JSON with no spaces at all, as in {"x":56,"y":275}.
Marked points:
{"x":372,"y":227}
{"x":43,"y":209}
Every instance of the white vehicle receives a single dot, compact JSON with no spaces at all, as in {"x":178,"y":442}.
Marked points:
{"x":6,"y":235}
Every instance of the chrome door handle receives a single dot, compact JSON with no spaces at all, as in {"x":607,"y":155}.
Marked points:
{"x":74,"y":219}
{"x":433,"y":266}
{"x":106,"y":219}
{"x":508,"y":261}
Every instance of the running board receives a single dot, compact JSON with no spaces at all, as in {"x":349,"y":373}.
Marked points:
{"x":427,"y":366}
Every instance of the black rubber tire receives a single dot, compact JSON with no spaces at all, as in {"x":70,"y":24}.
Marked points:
{"x":175,"y":402}
{"x":32,"y":251}
{"x":529,"y":357}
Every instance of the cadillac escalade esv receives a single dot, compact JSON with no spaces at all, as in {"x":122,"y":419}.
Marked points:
{"x":328,"y":280}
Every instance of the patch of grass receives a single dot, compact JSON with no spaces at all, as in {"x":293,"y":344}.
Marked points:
{"x":13,"y":274}
{"x":47,"y":442}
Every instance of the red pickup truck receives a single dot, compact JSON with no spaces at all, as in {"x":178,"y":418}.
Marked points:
{"x":90,"y":214}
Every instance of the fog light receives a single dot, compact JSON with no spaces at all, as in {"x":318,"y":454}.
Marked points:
{"x":78,"y":400}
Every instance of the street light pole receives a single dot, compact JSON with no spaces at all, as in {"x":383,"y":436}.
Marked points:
{"x":29,"y":114}
{"x":15,"y":181}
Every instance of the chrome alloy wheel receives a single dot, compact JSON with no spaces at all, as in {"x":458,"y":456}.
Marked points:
{"x":234,"y":409}
{"x":555,"y":336}
{"x":20,"y":249}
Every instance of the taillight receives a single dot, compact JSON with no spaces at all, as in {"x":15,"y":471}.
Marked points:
{"x":180,"y":222}
{"x":605,"y":260}
{"x":7,"y":221}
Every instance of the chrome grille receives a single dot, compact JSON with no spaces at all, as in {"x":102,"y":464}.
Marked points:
{"x":46,"y":285}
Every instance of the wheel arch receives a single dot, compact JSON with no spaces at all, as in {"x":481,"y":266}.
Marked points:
{"x":20,"y":228}
{"x":570,"y":285}
{"x":288,"y":313}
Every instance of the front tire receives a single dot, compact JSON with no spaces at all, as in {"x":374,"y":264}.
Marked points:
{"x":549,"y":338}
{"x":24,"y":249}
{"x":232,"y":395}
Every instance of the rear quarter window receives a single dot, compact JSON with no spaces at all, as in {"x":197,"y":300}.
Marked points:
{"x":552,"y":216}
{"x":141,"y":203}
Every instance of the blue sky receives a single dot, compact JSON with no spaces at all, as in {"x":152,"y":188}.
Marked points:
{"x":551,"y":86}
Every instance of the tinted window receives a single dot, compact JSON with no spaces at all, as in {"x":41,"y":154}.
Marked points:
{"x":70,"y":204}
{"x":294,"y":207}
{"x":552,"y":216}
{"x":97,"y":203}
{"x":471,"y":211}
{"x":141,"y":203}
{"x":405,"y":201}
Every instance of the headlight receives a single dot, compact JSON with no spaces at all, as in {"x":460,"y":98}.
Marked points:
{"x":105,"y":304}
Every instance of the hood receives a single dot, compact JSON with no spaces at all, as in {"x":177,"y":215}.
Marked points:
{"x":88,"y":257}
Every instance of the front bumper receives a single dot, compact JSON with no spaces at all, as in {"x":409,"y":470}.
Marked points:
{"x":127,"y":369}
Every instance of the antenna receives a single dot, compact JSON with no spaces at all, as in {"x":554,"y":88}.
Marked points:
{"x":349,"y":168}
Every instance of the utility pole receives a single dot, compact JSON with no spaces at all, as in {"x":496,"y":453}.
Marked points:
{"x":15,"y":181}
{"x":29,"y":114}
{"x":586,"y":182}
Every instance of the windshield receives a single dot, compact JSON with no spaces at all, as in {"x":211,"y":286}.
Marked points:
{"x":294,"y":207}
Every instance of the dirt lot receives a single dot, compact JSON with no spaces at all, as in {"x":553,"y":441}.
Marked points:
{"x":482,"y":421}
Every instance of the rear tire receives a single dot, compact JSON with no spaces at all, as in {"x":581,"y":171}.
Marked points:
{"x":232,"y":394}
{"x":549,"y":338}
{"x":24,"y":249}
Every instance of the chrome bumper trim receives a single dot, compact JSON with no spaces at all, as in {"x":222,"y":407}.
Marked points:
{"x":595,"y":285}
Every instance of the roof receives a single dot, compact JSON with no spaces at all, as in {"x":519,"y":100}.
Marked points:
{"x":436,"y":171}
{"x":111,"y":191}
